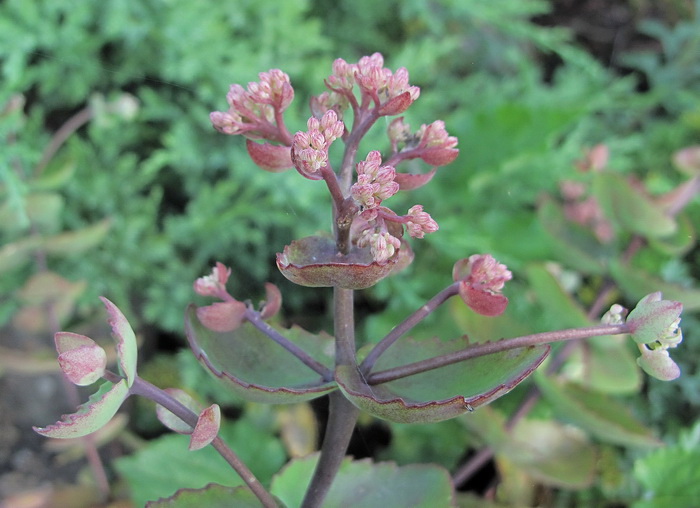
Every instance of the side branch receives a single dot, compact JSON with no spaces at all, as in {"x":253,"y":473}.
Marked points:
{"x":255,"y":319}
{"x":490,"y":348}
{"x":410,"y":322}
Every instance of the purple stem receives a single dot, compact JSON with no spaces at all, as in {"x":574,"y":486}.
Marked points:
{"x":152,"y":392}
{"x":410,"y":322}
{"x":255,"y":319}
{"x":490,"y":348}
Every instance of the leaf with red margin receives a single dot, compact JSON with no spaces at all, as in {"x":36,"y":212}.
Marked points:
{"x":257,"y":368}
{"x":442,"y":393}
{"x":92,"y":415}
{"x":127,"y":349}
{"x":211,"y":496}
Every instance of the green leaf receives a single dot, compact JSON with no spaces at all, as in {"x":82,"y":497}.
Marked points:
{"x":560,"y":309}
{"x":442,"y":393}
{"x":16,"y":254}
{"x":148,"y":479}
{"x":601,"y":415}
{"x":670,"y":477}
{"x":77,"y":242}
{"x":572,"y":244}
{"x":211,"y":496}
{"x":679,"y":242}
{"x":555,"y":454}
{"x":44,"y":210}
{"x":637,"y":283}
{"x":127,"y":348}
{"x":257,"y":368}
{"x":604,"y":364}
{"x":92,"y":415}
{"x":58,"y":172}
{"x":370,"y":485}
{"x":631,"y":209}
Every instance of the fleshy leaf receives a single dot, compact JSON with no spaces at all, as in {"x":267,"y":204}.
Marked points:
{"x":442,"y":393}
{"x":127,"y":349}
{"x":631,"y":209}
{"x":273,"y":301}
{"x":211,"y":496}
{"x":207,"y":427}
{"x":92,"y":415}
{"x":658,"y":363}
{"x":409,"y":181}
{"x":222,"y":316}
{"x":169,"y":419}
{"x":81,"y":359}
{"x":258,"y":369}
{"x":369,"y":485}
{"x":597,"y":413}
{"x":273,"y":158}
{"x":655,"y":320}
{"x":314,"y":261}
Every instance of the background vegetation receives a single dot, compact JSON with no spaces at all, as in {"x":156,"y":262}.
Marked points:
{"x":144,"y":196}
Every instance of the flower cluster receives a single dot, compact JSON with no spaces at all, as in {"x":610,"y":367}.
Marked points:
{"x":654,"y":325}
{"x":310,"y":149}
{"x":481,"y":279}
{"x":253,"y":112}
{"x":389,"y":91}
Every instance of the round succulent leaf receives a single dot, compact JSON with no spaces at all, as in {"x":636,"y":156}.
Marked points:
{"x":92,"y":415}
{"x":207,"y":427}
{"x":127,"y":349}
{"x":314,"y":261}
{"x":442,"y":393}
{"x":82,"y":360}
{"x":258,"y":369}
{"x":211,"y":496}
{"x":370,"y":485}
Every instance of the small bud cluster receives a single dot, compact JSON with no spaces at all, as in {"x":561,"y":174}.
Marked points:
{"x":481,"y":279}
{"x":654,"y":325}
{"x":310,"y":148}
{"x":389,"y":91}
{"x":252,"y":112}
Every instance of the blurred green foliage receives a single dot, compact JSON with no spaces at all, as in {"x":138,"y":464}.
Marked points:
{"x":177,"y":196}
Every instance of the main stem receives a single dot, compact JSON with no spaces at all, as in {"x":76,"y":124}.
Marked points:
{"x":342,"y":413}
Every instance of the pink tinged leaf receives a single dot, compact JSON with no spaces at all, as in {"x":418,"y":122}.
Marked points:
{"x":396,"y":105}
{"x":273,"y":158}
{"x":222,"y":316}
{"x":80,"y":358}
{"x":273,"y":301}
{"x":207,"y":427}
{"x":92,"y":415}
{"x":408,"y":181}
{"x":657,"y":363}
{"x":654,"y":319}
{"x":169,"y":419}
{"x":482,"y":302}
{"x":688,"y":160}
{"x":127,"y":349}
{"x":436,"y":156}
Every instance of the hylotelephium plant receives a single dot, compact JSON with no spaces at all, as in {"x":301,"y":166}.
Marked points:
{"x":401,"y":381}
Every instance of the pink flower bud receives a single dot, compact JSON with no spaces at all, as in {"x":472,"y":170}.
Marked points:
{"x":420,"y":222}
{"x":215,"y":283}
{"x":481,"y":279}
